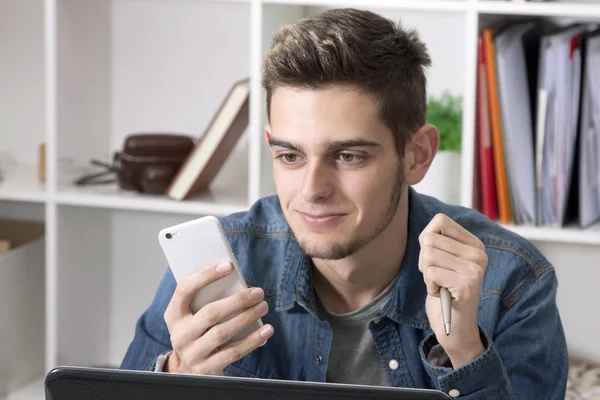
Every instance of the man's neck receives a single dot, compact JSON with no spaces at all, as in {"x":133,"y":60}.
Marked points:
{"x":350,"y":284}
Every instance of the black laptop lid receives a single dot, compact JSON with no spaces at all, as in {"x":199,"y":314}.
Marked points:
{"x":77,"y":383}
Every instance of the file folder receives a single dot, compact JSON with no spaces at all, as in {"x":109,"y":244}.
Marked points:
{"x":513,"y":44}
{"x":558,"y":109}
{"x":589,"y":131}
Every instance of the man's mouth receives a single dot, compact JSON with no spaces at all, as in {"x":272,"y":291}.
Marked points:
{"x":321,"y":219}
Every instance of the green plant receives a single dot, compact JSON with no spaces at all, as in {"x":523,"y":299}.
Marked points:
{"x":445,"y":112}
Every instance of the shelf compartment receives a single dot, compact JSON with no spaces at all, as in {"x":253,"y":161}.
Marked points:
{"x":113,"y":260}
{"x":22,"y":113}
{"x":114,"y":81}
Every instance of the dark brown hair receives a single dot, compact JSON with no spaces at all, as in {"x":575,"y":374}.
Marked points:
{"x":356,"y":48}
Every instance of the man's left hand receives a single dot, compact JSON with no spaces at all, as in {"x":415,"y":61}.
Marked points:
{"x":454,"y":258}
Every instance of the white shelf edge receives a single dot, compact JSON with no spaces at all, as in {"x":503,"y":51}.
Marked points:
{"x":417,"y":5}
{"x":256,"y":106}
{"x":567,"y":235}
{"x":50,"y":125}
{"x":162,"y":205}
{"x":186,"y":1}
{"x":469,"y":130}
{"x":547,"y":9}
{"x":23,"y":196}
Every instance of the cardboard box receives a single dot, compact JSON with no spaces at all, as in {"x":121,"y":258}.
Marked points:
{"x":22,"y":304}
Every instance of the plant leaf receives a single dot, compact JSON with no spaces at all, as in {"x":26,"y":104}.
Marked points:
{"x":445,"y":113}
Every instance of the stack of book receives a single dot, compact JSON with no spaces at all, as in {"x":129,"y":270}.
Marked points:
{"x":538,"y":123}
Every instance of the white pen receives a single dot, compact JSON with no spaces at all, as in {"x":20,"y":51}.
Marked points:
{"x":446,"y":300}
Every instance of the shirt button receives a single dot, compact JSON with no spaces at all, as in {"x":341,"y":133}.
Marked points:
{"x":393,"y":364}
{"x":319,"y":359}
{"x":454,"y":393}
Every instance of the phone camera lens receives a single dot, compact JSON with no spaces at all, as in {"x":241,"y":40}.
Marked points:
{"x":168,"y":236}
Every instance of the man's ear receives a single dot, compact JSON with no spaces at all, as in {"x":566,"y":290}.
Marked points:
{"x":419,"y":153}
{"x":268,"y":133}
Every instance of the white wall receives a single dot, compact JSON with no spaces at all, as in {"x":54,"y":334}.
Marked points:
{"x":21,"y":80}
{"x":171,"y":71}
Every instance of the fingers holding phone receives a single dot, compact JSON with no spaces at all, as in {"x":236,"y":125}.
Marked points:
{"x":213,"y":318}
{"x":202,"y":341}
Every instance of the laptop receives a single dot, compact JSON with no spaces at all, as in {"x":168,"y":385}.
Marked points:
{"x":79,"y":383}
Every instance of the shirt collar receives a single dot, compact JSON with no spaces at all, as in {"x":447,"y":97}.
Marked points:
{"x":407,"y":304}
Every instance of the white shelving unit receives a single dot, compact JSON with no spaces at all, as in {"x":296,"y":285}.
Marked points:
{"x":81,"y":75}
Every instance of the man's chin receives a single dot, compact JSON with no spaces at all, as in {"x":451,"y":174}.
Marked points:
{"x":327,"y":251}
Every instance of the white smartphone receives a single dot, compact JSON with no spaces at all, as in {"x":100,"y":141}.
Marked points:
{"x":198,"y":244}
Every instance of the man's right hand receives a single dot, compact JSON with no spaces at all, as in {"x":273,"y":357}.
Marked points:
{"x":197,"y":338}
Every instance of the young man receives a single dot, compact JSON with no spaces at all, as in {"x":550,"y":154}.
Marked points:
{"x":345,"y":264}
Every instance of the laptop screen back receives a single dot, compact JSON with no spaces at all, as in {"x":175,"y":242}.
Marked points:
{"x":77,"y":383}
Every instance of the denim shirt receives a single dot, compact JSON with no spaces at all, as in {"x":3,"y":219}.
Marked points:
{"x":525,"y":353}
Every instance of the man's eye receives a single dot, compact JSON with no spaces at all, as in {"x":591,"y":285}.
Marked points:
{"x":289,"y":158}
{"x":349,"y":157}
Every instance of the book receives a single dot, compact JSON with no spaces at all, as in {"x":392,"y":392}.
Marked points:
{"x":489,"y":199}
{"x":504,"y":200}
{"x":212,"y":149}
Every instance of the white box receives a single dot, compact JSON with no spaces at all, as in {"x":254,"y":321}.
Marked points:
{"x":22,"y":299}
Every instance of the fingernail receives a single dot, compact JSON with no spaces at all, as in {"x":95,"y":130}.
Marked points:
{"x":224,"y":268}
{"x":261,"y":307}
{"x":266,"y":331}
{"x":257,"y":293}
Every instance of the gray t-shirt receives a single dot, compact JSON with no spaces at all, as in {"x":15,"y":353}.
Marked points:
{"x":353,"y":357}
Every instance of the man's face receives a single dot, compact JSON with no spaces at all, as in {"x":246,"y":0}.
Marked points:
{"x":336,"y":168}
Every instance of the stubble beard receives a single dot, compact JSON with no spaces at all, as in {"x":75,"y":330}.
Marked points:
{"x":338,"y":251}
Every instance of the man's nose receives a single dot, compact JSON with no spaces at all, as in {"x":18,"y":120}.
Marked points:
{"x":318,"y":184}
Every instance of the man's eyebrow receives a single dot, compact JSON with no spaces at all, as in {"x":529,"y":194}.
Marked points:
{"x":331,"y":146}
{"x":284,"y":144}
{"x":344,"y":144}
